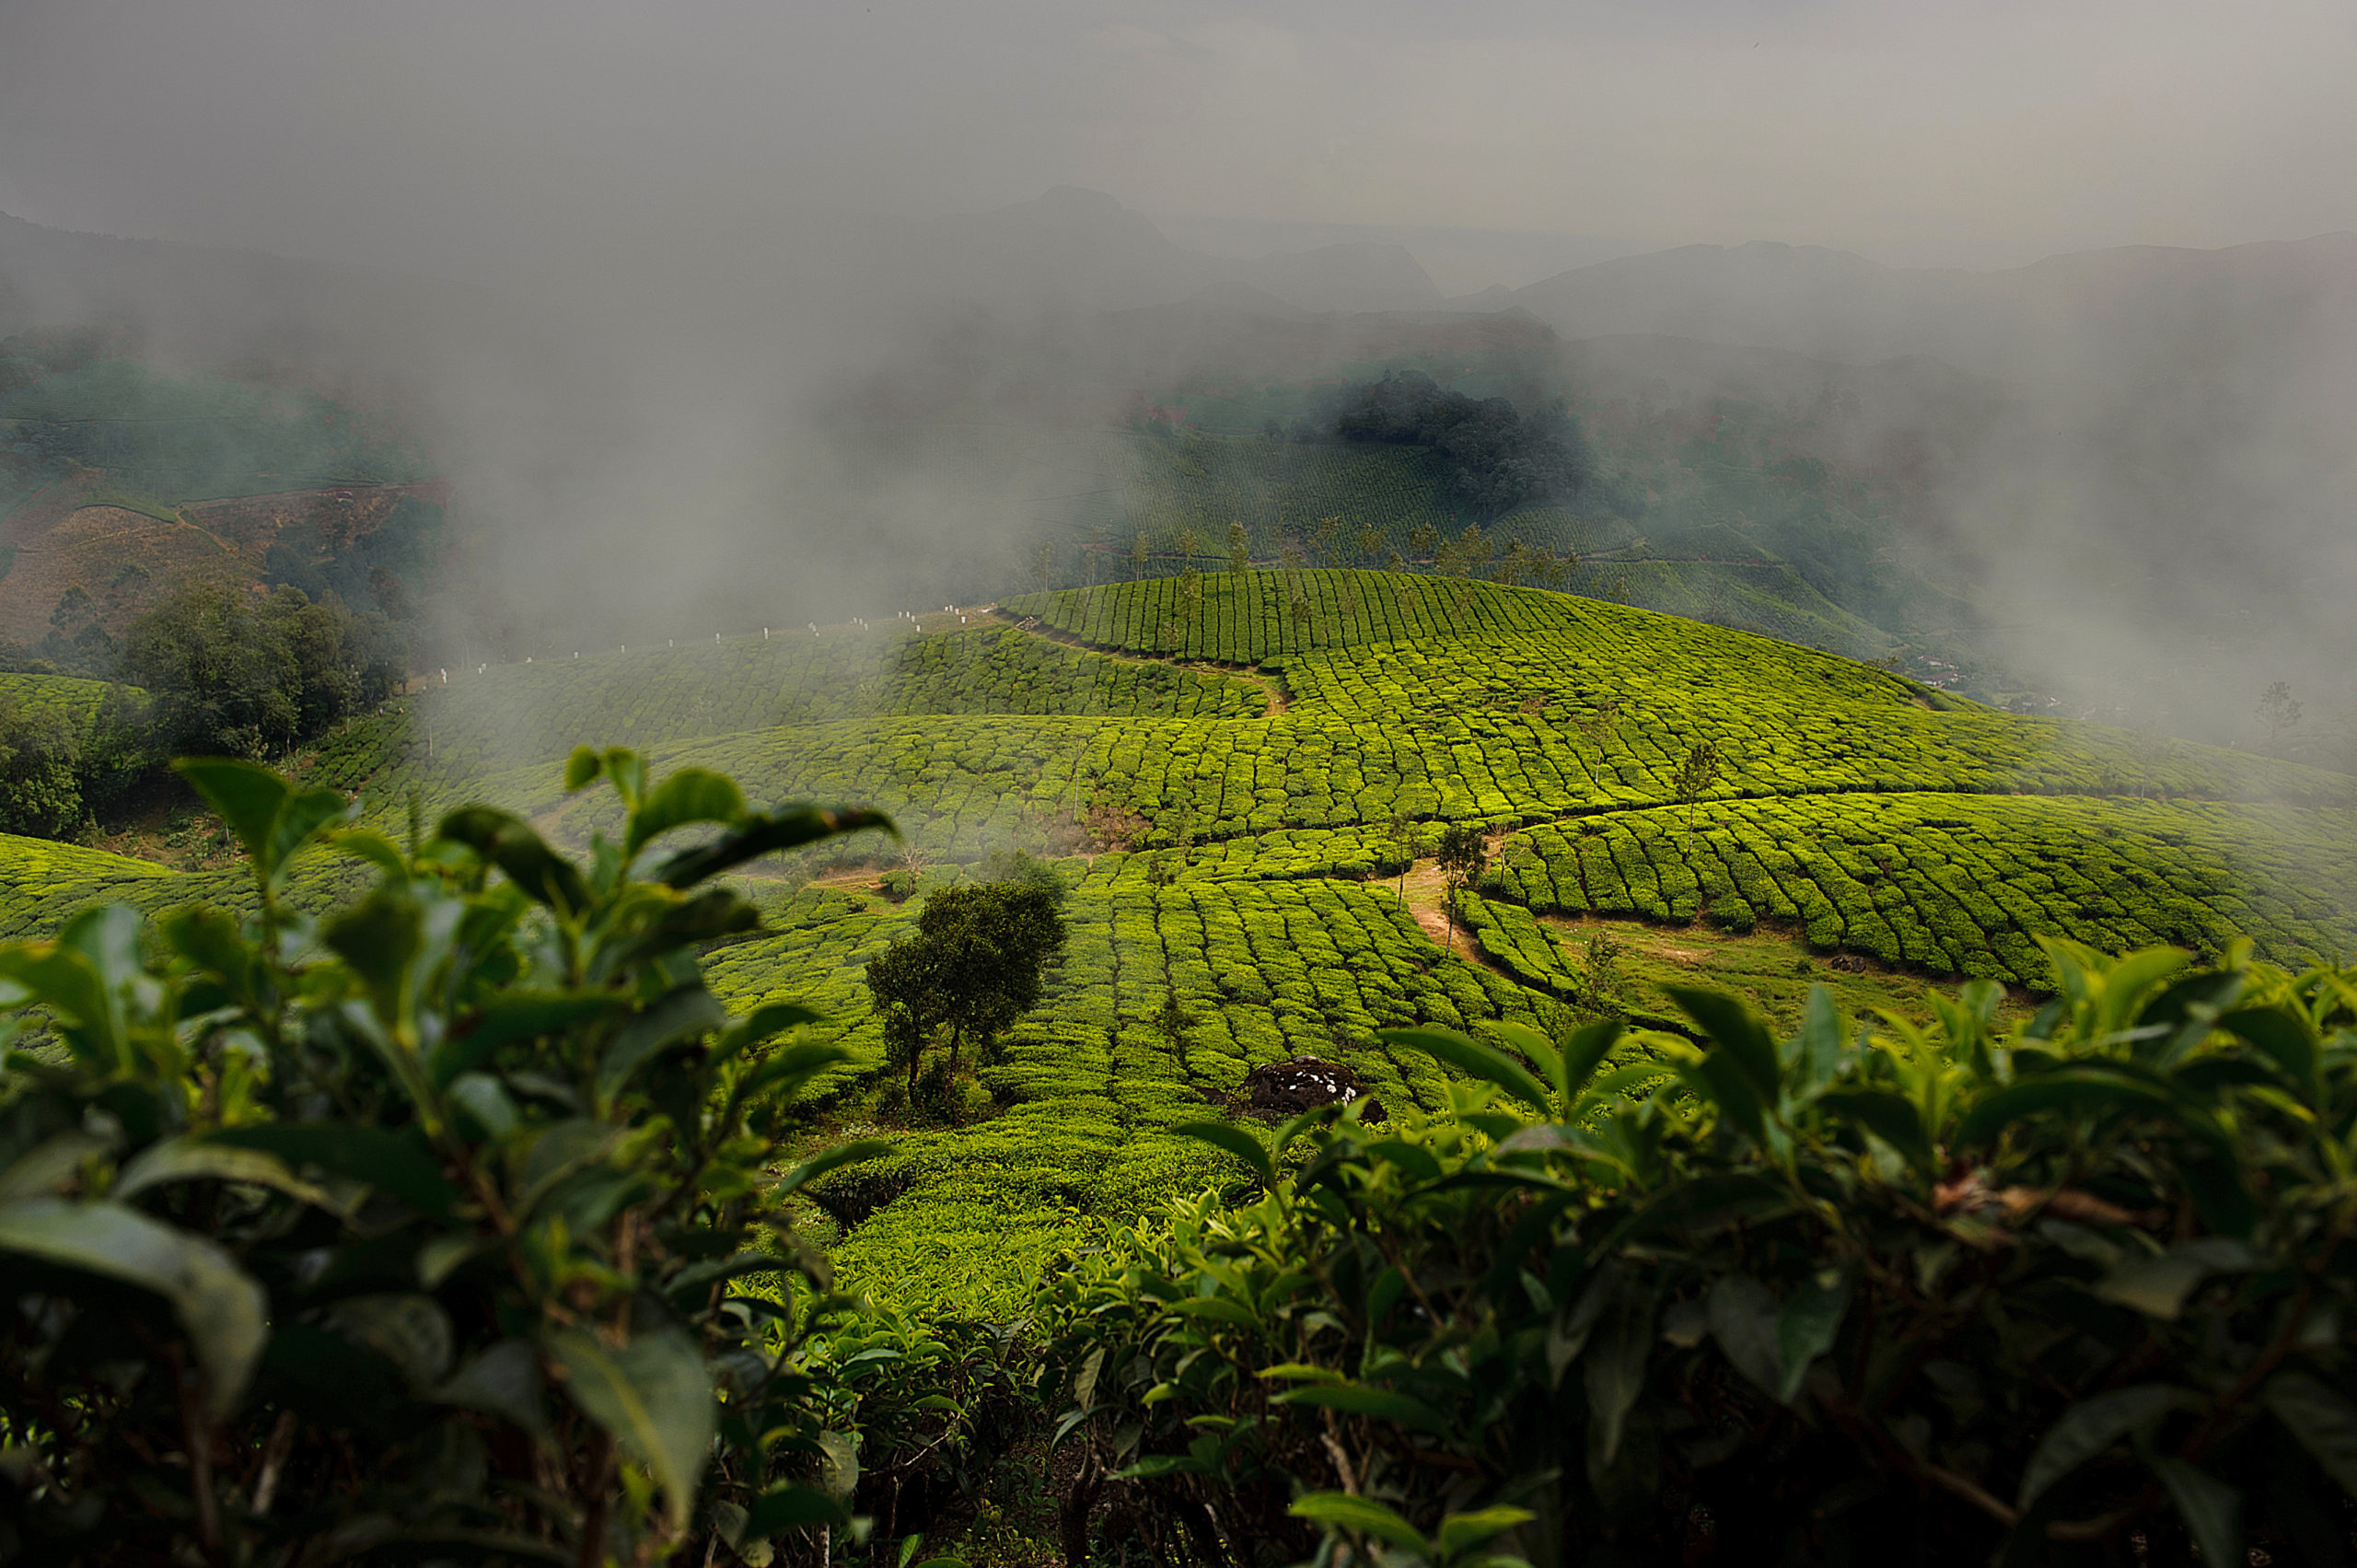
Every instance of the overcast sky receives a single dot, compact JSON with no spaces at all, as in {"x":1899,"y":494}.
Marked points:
{"x":439,"y":134}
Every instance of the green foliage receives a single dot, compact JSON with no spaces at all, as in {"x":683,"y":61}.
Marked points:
{"x":1950,"y":1292}
{"x":1964,"y":884}
{"x":181,"y":438}
{"x":1496,"y":458}
{"x":973,"y":966}
{"x":237,"y":678}
{"x":438,"y":1225}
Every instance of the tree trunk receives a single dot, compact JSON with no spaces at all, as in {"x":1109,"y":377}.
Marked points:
{"x":1074,"y":1509}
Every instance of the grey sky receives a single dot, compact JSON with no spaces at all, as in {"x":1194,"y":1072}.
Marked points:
{"x":449,"y":134}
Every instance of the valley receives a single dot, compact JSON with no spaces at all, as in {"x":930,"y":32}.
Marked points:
{"x":1242,"y":856}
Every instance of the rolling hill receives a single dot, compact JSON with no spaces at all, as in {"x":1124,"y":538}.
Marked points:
{"x":1220,"y":779}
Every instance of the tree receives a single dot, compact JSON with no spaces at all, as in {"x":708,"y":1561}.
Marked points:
{"x":1516,"y":564}
{"x":1139,"y":555}
{"x":1695,"y":776}
{"x":1022,"y":869}
{"x":1239,"y":557}
{"x":1175,"y":1025}
{"x":2277,"y":711}
{"x":1323,"y":537}
{"x":237,"y":676}
{"x":1464,"y":856}
{"x":1473,"y":548}
{"x":1420,"y":540}
{"x":1601,"y":983}
{"x":1370,"y":543}
{"x":41,"y":771}
{"x":1406,"y":839}
{"x":911,"y":1001}
{"x":975,"y":964}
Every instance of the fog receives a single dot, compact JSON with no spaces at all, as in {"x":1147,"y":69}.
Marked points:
{"x":730,"y":314}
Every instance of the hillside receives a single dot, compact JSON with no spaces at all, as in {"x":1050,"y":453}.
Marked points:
{"x":118,"y":482}
{"x":1221,"y":780}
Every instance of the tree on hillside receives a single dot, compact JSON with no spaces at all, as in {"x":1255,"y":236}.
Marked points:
{"x":1420,"y":540}
{"x":1239,"y":556}
{"x":1140,"y":552}
{"x":975,"y":964}
{"x":236,"y":675}
{"x":1473,"y":548}
{"x":1514,"y":565}
{"x":1022,"y":869}
{"x":1323,"y":536}
{"x":1464,"y":856}
{"x":905,"y":983}
{"x":2277,"y":711}
{"x":1176,"y":1026}
{"x":1696,"y":773}
{"x":1496,"y":458}
{"x":1370,"y":544}
{"x":41,"y":768}
{"x":1406,"y":839}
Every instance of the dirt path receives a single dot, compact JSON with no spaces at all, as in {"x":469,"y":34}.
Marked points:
{"x":1427,"y":892}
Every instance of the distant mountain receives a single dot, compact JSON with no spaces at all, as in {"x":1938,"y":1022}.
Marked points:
{"x":2102,"y":315}
{"x":2155,"y":474}
{"x":1076,"y":250}
{"x":211,"y":304}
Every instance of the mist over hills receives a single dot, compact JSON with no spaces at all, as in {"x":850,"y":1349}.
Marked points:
{"x":2142,"y":453}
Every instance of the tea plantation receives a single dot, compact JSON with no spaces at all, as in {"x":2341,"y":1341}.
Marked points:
{"x":77,"y":699}
{"x":1219,"y":762}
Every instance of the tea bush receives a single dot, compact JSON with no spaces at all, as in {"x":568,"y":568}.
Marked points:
{"x":1935,"y":1295}
{"x":447,"y":1224}
{"x":1961,"y":884}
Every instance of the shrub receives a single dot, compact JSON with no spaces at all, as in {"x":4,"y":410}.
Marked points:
{"x":434,"y":1228}
{"x":1927,"y":1295}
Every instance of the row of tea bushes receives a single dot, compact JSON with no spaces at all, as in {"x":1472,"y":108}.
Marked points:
{"x":1090,"y":1085}
{"x":1514,"y":940}
{"x":649,"y":697}
{"x":1244,"y":617}
{"x":77,"y":699}
{"x":42,"y":881}
{"x":813,"y":951}
{"x":1961,"y":884}
{"x":1280,"y":855}
{"x":965,"y":785}
{"x":1002,"y":670}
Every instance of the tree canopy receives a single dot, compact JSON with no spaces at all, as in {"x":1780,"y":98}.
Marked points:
{"x":237,"y":675}
{"x":1498,"y":457}
{"x":974,"y":964}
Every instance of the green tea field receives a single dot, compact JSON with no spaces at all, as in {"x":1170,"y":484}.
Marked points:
{"x":1239,"y":782}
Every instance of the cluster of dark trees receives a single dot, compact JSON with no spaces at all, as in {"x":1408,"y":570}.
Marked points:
{"x":226,"y":672}
{"x":1498,"y":457}
{"x":976,"y":962}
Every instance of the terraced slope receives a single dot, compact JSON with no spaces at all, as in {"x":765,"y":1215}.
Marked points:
{"x":1873,"y":824}
{"x":77,"y":699}
{"x":651,"y":696}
